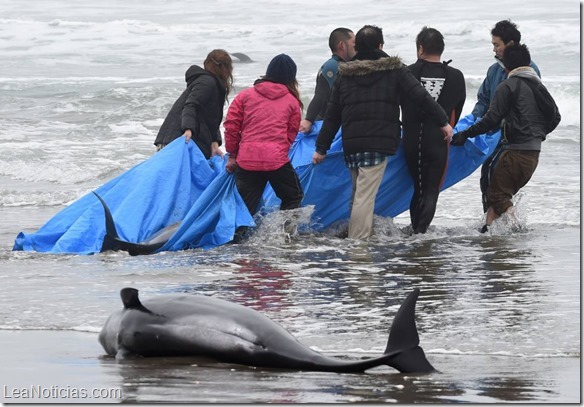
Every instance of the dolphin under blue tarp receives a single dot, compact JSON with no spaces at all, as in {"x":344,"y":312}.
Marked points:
{"x":178,"y":184}
{"x":327,"y":185}
{"x":213,"y":218}
{"x":150,"y":196}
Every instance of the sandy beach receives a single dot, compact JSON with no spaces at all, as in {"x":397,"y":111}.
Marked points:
{"x":70,"y":367}
{"x":55,"y":366}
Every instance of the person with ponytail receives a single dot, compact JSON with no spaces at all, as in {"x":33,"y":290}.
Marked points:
{"x":260,"y":126}
{"x":198,"y":112}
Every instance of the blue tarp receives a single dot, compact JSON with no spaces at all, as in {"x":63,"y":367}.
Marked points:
{"x":167,"y":188}
{"x":179,"y":184}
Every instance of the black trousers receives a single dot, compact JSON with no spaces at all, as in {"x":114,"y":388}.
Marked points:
{"x":284,"y":181}
{"x":427,"y":159}
{"x":486,"y":174}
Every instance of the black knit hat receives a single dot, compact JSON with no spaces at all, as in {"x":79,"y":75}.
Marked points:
{"x":281,"y":69}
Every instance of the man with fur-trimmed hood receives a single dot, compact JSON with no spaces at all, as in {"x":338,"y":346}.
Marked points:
{"x":366,"y":99}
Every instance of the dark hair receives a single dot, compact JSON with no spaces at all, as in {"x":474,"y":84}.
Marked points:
{"x":293,"y":89}
{"x":507,"y":31}
{"x":368,"y":38}
{"x":432,"y":41}
{"x":219,"y":63}
{"x":516,"y":55}
{"x":337,"y":35}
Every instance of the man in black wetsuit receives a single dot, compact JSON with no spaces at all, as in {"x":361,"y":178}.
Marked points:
{"x":342,"y":45}
{"x":425,"y":149}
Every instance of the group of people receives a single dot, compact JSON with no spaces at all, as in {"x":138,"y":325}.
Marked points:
{"x":363,"y":90}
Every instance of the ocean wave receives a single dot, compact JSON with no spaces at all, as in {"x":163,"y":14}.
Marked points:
{"x":90,"y":329}
{"x":49,"y":80}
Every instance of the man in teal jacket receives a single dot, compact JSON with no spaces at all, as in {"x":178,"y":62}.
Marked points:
{"x":504,"y":33}
{"x":342,"y":45}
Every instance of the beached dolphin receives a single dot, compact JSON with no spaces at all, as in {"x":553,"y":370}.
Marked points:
{"x":195,"y":325}
{"x":112,"y":240}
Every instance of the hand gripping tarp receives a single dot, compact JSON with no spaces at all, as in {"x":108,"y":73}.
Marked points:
{"x":164,"y":189}
{"x":327,"y":185}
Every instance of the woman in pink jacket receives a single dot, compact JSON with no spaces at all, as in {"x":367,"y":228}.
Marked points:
{"x":261,"y":124}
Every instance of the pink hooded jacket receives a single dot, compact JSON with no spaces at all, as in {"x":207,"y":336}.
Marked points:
{"x":261,"y":124}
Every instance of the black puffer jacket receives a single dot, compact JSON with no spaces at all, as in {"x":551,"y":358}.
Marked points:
{"x":365,"y":100}
{"x":199,"y":108}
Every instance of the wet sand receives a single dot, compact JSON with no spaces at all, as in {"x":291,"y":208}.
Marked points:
{"x":55,"y":366}
{"x":69,"y":367}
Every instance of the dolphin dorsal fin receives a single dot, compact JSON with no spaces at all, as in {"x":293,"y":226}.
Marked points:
{"x":131,"y":301}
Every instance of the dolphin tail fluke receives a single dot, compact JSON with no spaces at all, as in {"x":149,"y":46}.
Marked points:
{"x":111,"y":238}
{"x":403,"y":342}
{"x":411,"y":361}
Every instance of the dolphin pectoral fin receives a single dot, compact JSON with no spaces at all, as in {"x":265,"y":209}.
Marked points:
{"x":403,"y":343}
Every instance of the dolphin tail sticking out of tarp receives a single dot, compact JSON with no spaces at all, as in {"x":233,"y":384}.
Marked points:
{"x":211,"y":221}
{"x":112,"y":240}
{"x":148,"y":197}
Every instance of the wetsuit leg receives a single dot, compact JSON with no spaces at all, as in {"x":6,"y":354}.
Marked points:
{"x":433,"y":164}
{"x":412,"y":156}
{"x":426,"y":157}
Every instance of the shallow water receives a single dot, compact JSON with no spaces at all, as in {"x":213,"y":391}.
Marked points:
{"x":84,"y":88}
{"x":498,"y":316}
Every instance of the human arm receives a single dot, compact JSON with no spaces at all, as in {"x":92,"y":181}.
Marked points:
{"x":461,"y":93}
{"x":499,"y":108}
{"x":331,"y":124}
{"x":483,"y":99}
{"x":232,"y":124}
{"x":495,"y":75}
{"x":294,"y":122}
{"x":318,"y":104}
{"x":215,"y":150}
{"x":201,"y":93}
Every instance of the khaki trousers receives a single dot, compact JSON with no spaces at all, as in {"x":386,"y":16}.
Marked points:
{"x":366,"y":181}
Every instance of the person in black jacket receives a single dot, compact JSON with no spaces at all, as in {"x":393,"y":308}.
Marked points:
{"x":522,"y":133}
{"x":198,"y":112}
{"x":426,"y":152}
{"x":365,"y":100}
